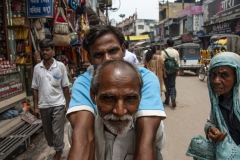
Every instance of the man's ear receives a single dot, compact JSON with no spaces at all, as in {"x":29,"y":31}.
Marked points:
{"x":93,"y":96}
{"x":123,"y":49}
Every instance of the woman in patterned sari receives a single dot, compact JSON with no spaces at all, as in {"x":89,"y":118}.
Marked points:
{"x":154,"y":63}
{"x":223,"y":126}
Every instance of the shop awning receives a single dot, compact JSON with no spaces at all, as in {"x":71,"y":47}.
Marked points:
{"x":141,"y":37}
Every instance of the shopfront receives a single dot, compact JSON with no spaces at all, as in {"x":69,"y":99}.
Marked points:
{"x":226,"y":27}
{"x":23,"y":24}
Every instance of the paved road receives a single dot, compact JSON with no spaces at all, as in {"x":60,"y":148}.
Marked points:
{"x":188,"y":119}
{"x":181,"y":124}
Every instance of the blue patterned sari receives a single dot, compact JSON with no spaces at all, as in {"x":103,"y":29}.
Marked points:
{"x":204,"y":149}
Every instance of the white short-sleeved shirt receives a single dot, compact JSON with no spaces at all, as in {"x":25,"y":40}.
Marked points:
{"x":49,"y":84}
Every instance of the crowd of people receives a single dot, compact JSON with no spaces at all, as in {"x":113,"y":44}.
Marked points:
{"x":116,"y":110}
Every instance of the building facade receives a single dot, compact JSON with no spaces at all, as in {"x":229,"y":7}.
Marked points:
{"x":169,"y":19}
{"x":132,"y":26}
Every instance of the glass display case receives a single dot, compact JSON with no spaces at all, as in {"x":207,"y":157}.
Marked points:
{"x":11,"y":89}
{"x":10,"y":84}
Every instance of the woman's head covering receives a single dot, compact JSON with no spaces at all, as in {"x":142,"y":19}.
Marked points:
{"x":226,"y":59}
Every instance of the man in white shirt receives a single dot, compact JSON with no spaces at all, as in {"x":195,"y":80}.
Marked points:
{"x":51,"y":96}
{"x":116,"y":90}
{"x":129,"y":56}
{"x":170,"y":81}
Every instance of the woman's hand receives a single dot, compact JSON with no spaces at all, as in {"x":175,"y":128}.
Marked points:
{"x":215,"y":134}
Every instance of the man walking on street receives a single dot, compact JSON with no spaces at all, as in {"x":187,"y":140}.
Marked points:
{"x":51,"y":96}
{"x":170,"y":81}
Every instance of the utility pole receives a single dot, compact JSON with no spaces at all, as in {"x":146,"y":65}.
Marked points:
{"x":105,"y":1}
{"x":182,"y":4}
{"x":122,"y":16}
{"x":168,"y":19}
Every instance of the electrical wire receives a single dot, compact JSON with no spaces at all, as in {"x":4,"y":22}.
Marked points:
{"x":149,"y":9}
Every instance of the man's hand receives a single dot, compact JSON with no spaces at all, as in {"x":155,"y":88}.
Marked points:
{"x":37,"y":112}
{"x":66,"y":107}
{"x":146,"y":134}
{"x":82,"y":147}
{"x":215,"y":134}
{"x":67,"y":97}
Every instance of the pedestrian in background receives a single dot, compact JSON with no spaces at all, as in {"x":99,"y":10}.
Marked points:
{"x":51,"y":96}
{"x":154,"y":63}
{"x":129,"y":56}
{"x":170,"y":81}
{"x":223,"y":125}
{"x":71,"y":67}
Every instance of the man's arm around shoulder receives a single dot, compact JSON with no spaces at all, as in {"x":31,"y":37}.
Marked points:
{"x":146,"y":129}
{"x":83,"y":136}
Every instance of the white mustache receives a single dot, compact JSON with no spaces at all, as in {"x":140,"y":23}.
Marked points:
{"x":116,"y":118}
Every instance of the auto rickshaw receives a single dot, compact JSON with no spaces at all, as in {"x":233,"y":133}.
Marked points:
{"x":190,"y":57}
{"x":227,"y":42}
{"x":218,"y":43}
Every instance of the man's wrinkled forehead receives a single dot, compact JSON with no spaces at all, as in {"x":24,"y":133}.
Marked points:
{"x":109,"y":34}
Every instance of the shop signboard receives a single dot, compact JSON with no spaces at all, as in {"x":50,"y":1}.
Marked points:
{"x":191,"y":10}
{"x":196,"y":22}
{"x":230,"y":26}
{"x":219,"y":9}
{"x":39,"y":8}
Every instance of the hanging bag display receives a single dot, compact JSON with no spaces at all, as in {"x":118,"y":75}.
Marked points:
{"x":37,"y":23}
{"x":73,"y":35}
{"x":39,"y":29}
{"x":60,"y":27}
{"x":61,"y":39}
{"x":41,"y":34}
{"x":61,"y":30}
{"x":170,"y":64}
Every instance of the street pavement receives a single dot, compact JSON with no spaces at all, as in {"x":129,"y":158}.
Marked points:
{"x":181,"y":124}
{"x":189,"y":117}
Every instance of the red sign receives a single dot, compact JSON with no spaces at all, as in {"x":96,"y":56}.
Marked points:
{"x":186,"y":38}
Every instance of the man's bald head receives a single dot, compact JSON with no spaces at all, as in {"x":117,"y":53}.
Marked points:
{"x":118,"y":70}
